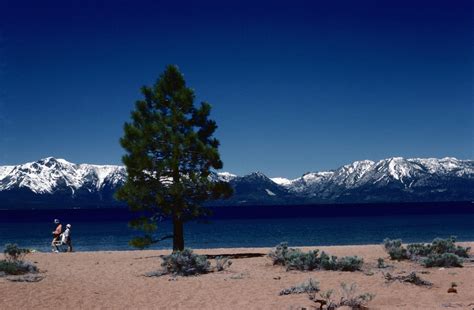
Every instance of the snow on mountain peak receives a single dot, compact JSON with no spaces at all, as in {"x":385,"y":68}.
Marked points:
{"x":226,"y":176}
{"x":257,"y":174}
{"x":281,"y":181}
{"x":5,"y":170}
{"x":405,"y":172}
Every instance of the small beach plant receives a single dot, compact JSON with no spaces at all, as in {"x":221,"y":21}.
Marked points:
{"x":346,"y":263}
{"x":381,"y":263}
{"x":442,"y":260}
{"x":418,"y":250}
{"x":187,"y":263}
{"x":349,"y":263}
{"x":326,"y":300}
{"x":14,"y":253}
{"x":351,"y":298}
{"x":222,"y":263}
{"x":13,"y":263}
{"x":441,"y":246}
{"x":310,"y":286}
{"x":415,"y":279}
{"x":412,"y":278}
{"x":395,"y":249}
{"x":328,"y":262}
{"x":280,"y":253}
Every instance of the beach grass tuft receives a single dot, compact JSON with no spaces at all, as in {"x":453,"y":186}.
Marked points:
{"x":309,"y":286}
{"x":349,"y":297}
{"x":412,"y":278}
{"x":222,"y":263}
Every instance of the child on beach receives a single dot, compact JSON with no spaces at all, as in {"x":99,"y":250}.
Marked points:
{"x":56,"y":234}
{"x":66,"y":238}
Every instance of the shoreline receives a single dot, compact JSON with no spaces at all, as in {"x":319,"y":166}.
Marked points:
{"x":237,"y":250}
{"x":115,"y":280}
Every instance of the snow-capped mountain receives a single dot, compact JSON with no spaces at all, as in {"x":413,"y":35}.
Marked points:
{"x":392,"y":179}
{"x":57,"y":181}
{"x":256,"y":188}
{"x":51,"y":181}
{"x":49,"y":175}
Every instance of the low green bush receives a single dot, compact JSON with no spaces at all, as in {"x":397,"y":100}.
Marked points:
{"x":442,"y":246}
{"x":17,"y":267}
{"x":328,"y":262}
{"x":440,"y":253}
{"x":185,"y":263}
{"x":346,"y":263}
{"x":442,"y":260}
{"x":349,"y":263}
{"x":14,"y":253}
{"x":13,"y":263}
{"x":418,"y":249}
{"x":304,"y":261}
{"x":295,"y":259}
{"x":381,"y":263}
{"x":438,"y":246}
{"x":395,"y":249}
{"x":280,"y":255}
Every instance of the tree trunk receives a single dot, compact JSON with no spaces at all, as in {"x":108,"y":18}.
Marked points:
{"x":178,"y":234}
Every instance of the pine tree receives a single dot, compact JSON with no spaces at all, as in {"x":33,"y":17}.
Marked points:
{"x":170,"y":154}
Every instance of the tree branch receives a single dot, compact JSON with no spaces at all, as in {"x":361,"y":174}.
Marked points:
{"x":162,"y":238}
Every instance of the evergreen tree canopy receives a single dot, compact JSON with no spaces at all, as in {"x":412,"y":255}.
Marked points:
{"x":170,"y":154}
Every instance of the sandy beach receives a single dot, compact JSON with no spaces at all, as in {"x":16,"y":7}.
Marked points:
{"x":114,"y":280}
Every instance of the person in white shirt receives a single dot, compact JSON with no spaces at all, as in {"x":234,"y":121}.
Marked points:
{"x":66,"y":238}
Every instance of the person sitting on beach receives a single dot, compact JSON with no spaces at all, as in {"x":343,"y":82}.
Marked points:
{"x":56,"y":234}
{"x":66,"y":238}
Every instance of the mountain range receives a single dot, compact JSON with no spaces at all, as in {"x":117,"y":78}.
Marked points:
{"x":51,"y":183}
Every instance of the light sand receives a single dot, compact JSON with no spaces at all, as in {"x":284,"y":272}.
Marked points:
{"x":114,"y":280}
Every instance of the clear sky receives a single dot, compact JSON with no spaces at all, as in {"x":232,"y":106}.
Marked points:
{"x":295,"y":87}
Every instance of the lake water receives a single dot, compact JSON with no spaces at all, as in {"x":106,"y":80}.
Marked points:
{"x":108,"y":230}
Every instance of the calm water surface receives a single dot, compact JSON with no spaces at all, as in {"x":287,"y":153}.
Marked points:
{"x":254,"y":232}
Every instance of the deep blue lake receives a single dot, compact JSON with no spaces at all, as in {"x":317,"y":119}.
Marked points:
{"x":251,"y":226}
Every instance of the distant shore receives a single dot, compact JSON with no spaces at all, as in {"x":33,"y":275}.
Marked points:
{"x":114,"y":280}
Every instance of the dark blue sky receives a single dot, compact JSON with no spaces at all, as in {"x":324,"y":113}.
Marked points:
{"x":296,"y":87}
